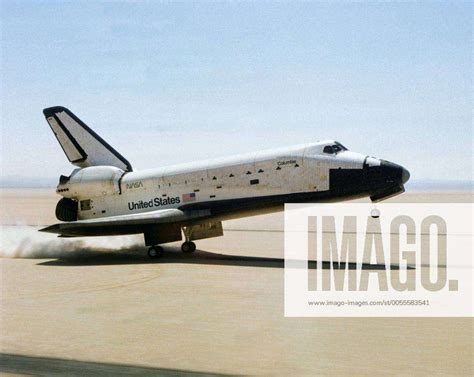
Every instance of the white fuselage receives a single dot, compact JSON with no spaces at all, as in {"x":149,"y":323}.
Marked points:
{"x":105,"y":196}
{"x":298,"y":169}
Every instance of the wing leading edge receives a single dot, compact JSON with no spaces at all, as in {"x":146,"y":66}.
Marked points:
{"x":126,"y":224}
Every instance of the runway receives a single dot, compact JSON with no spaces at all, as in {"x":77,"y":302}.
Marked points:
{"x":102,"y":307}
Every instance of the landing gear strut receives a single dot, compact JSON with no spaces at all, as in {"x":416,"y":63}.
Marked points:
{"x":155,"y":252}
{"x":188,"y":247}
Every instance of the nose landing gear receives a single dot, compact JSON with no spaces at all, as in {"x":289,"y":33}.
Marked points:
{"x":188,"y":247}
{"x":375,"y":213}
{"x":155,"y":252}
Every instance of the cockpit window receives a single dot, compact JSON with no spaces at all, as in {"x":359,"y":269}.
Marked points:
{"x":328,"y":149}
{"x":334,"y":149}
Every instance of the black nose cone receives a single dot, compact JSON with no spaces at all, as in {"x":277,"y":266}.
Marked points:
{"x":393,"y":173}
{"x":405,"y":175}
{"x":386,"y":180}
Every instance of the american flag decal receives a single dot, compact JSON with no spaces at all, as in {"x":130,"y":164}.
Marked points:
{"x":189,"y":197}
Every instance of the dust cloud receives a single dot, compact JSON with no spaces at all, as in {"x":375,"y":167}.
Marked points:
{"x":21,"y":241}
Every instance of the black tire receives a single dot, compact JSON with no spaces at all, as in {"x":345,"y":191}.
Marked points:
{"x":188,"y":247}
{"x":155,"y":252}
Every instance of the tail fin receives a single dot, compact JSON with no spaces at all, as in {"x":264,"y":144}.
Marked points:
{"x":82,"y":146}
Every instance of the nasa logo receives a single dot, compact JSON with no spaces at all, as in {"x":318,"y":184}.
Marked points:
{"x":134,"y":185}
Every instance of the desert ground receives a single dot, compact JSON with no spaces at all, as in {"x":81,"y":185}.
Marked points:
{"x":102,"y":307}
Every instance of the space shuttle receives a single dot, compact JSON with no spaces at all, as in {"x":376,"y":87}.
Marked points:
{"x":105,"y":196}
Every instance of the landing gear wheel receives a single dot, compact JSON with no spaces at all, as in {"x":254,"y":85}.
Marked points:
{"x":375,"y":213}
{"x":188,"y":247}
{"x":155,"y":252}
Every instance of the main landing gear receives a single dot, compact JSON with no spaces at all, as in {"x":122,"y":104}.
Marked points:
{"x":155,"y":252}
{"x":188,"y":247}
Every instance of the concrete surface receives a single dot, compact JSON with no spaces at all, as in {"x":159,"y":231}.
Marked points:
{"x":102,"y":307}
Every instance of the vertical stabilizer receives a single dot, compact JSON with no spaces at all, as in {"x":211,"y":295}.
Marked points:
{"x":82,"y":146}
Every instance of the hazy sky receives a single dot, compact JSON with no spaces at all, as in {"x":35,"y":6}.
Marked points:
{"x":172,"y":82}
